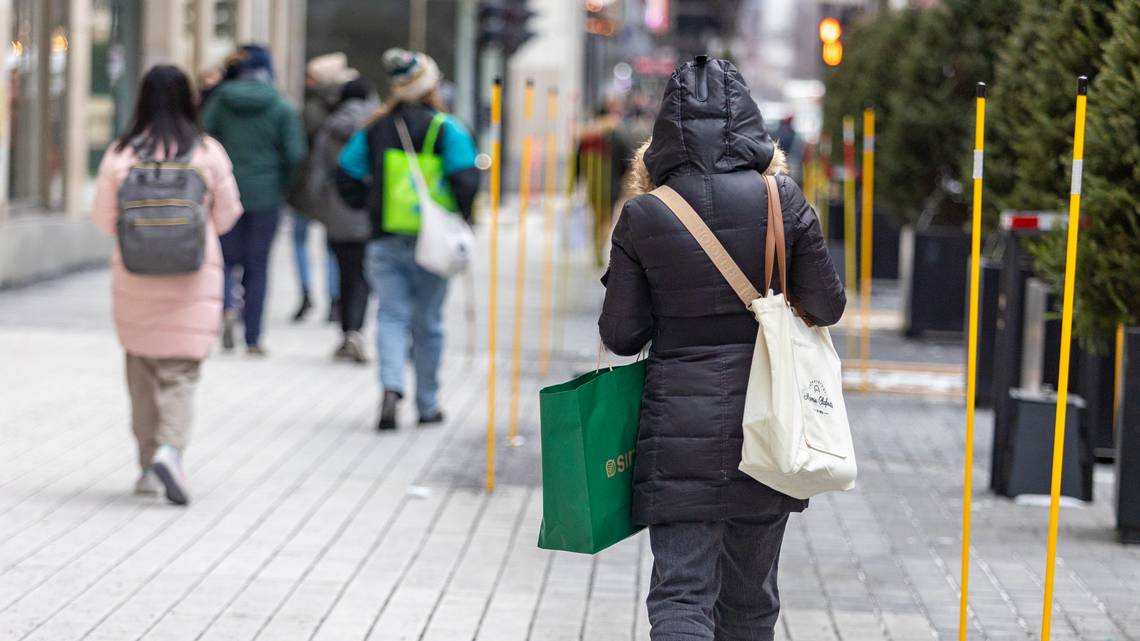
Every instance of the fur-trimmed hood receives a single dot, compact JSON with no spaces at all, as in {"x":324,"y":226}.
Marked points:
{"x":708,"y":124}
{"x":638,"y":181}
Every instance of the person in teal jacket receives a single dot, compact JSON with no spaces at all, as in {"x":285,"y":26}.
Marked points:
{"x":263,"y":135}
{"x":374,"y":174}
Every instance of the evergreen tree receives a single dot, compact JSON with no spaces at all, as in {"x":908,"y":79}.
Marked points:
{"x":1031,"y":106}
{"x":924,"y":143}
{"x":1108,"y":281}
{"x":866,"y":76}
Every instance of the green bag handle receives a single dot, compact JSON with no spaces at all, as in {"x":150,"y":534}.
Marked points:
{"x":433,"y":132}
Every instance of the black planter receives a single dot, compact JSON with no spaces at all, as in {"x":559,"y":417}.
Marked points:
{"x":885,"y":258}
{"x":1016,"y":264}
{"x":1128,"y":442}
{"x":1027,"y":462}
{"x":933,"y":264}
{"x":1095,"y":381}
{"x":885,"y":261}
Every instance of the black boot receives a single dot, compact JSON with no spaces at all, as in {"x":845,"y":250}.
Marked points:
{"x":304,"y":308}
{"x":432,"y":419}
{"x":388,"y":411}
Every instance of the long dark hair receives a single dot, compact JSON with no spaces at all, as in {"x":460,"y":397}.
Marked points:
{"x":165,"y":115}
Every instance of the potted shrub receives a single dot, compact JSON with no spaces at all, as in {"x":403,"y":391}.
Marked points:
{"x":1108,"y":268}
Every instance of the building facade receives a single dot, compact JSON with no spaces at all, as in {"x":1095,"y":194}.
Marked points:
{"x":72,"y":71}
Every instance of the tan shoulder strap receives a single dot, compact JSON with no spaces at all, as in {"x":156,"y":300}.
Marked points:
{"x":708,"y":242}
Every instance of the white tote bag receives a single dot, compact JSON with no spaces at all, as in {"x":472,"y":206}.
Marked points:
{"x":796,"y":436}
{"x":445,"y":244}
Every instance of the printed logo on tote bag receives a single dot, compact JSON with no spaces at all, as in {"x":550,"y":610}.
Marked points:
{"x":620,"y":464}
{"x":816,"y":395}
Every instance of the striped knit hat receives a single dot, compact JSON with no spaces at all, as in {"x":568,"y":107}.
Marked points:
{"x":412,"y":74}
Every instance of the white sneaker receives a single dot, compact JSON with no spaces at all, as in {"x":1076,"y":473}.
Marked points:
{"x":167,"y":465}
{"x":148,"y":484}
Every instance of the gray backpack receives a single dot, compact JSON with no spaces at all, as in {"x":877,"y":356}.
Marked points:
{"x":162,"y":216}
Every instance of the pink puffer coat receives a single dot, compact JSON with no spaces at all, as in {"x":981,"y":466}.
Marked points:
{"x":170,"y":316}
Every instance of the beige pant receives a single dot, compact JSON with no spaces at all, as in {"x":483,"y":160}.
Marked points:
{"x":162,"y":402}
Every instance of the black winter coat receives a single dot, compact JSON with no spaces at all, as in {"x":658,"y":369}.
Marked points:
{"x":709,"y":144}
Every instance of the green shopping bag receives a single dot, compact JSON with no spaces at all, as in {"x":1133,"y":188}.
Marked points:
{"x":589,"y":436}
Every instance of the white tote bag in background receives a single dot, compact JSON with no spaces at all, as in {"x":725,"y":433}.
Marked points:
{"x":796,"y":436}
{"x":445,"y":243}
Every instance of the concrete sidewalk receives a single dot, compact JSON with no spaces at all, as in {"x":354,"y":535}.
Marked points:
{"x":309,"y":525}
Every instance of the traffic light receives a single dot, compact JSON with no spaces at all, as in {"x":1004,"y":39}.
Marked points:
{"x":829,"y":33}
{"x":502,"y":24}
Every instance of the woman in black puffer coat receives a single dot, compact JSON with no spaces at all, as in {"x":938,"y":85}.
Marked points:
{"x":715,"y":532}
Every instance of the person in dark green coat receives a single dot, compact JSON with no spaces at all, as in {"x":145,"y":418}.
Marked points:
{"x":263,"y":135}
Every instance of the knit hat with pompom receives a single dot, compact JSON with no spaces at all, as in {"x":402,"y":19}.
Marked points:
{"x":412,"y":74}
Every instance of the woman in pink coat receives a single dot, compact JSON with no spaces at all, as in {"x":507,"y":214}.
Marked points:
{"x":166,"y":323}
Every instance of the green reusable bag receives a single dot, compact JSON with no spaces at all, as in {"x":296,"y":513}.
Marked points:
{"x":589,"y":437}
{"x":401,"y":201}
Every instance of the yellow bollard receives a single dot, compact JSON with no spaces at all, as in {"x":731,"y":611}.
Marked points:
{"x":972,"y":356}
{"x":551,"y":180}
{"x":1117,"y":374}
{"x":1066,"y":340}
{"x":493,"y":284}
{"x":809,"y":175}
{"x":849,"y":220}
{"x":868,"y":238}
{"x":520,"y":264}
{"x":824,"y":210}
{"x":563,"y":288}
{"x":592,"y":187}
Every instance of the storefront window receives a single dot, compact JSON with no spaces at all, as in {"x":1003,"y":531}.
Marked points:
{"x":37,"y":78}
{"x":114,"y":72}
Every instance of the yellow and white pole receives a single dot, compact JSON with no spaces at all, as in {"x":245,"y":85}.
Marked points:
{"x":573,"y":160}
{"x":868,"y":241}
{"x":809,"y":174}
{"x":824,"y":210}
{"x":972,"y":356}
{"x":849,"y":246}
{"x":548,"y":203}
{"x":1117,"y":374}
{"x":520,"y":263}
{"x":493,"y":283}
{"x":1063,"y":369}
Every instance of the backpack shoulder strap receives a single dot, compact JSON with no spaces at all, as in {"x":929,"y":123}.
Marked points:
{"x":433,"y":132}
{"x":708,"y":242}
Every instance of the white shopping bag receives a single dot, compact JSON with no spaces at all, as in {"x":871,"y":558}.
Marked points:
{"x":796,"y":436}
{"x":445,"y":244}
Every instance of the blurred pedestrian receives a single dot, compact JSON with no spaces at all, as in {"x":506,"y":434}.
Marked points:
{"x":714,"y":531}
{"x":792,"y":145}
{"x":208,"y":80}
{"x":348,"y":229}
{"x":166,"y":323}
{"x":325,"y":76}
{"x":263,"y":134}
{"x":374,"y":172}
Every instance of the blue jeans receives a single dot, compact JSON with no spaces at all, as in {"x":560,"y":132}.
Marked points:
{"x":247,"y":246}
{"x":301,"y":259}
{"x":715,"y":581}
{"x":411,"y":304}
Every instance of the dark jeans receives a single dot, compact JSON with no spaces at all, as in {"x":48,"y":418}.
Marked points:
{"x":353,"y":286}
{"x":715,"y":581}
{"x":247,"y":246}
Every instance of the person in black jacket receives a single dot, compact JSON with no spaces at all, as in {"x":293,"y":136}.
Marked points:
{"x":715,"y":532}
{"x":373,"y":173}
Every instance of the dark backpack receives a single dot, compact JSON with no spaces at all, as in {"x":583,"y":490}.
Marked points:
{"x":162,"y":216}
